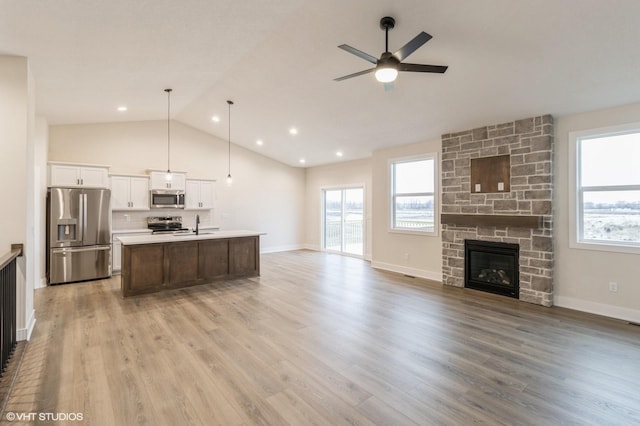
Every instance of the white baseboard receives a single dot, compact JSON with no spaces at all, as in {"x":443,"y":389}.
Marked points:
{"x":316,"y":247}
{"x":42,"y":283}
{"x":414,"y":272}
{"x":25,"y":333}
{"x":626,"y":314}
{"x":276,"y":249}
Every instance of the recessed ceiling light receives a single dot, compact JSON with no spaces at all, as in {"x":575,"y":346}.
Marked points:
{"x":122,"y":108}
{"x":302,"y":161}
{"x":259,"y":142}
{"x":339,"y":154}
{"x":215,"y":119}
{"x":293,"y":131}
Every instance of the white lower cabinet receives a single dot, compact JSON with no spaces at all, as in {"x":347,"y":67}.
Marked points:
{"x":116,"y":252}
{"x":116,"y":249}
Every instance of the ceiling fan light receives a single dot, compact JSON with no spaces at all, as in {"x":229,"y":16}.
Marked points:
{"x":386,"y":74}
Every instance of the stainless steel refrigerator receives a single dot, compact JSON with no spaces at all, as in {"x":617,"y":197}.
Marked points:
{"x":79,"y":234}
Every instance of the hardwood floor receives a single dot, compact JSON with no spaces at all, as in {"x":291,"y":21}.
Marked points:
{"x":323,"y":339}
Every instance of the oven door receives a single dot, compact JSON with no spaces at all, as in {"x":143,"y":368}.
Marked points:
{"x":161,"y":199}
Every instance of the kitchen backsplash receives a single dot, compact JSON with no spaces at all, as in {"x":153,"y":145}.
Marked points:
{"x":138,"y":220}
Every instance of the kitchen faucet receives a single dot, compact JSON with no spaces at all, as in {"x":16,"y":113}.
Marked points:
{"x":197,"y":224}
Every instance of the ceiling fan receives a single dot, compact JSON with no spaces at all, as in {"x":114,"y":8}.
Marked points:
{"x":387,"y":67}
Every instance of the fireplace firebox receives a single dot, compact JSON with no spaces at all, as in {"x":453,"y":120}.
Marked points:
{"x":492,"y":267}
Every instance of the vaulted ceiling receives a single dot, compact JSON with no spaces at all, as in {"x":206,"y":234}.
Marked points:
{"x":276,"y":59}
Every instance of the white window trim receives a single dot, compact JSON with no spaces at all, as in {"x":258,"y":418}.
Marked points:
{"x":436,"y":194}
{"x":575,"y":199}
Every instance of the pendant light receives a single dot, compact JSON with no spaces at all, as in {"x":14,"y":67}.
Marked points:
{"x":168,"y":175}
{"x":229,"y":180}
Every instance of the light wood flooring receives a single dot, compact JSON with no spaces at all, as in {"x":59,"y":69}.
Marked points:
{"x":323,"y":339}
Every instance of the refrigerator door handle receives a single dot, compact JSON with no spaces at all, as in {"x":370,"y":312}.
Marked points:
{"x":78,"y":250}
{"x":81,"y":218}
{"x":84,"y":217}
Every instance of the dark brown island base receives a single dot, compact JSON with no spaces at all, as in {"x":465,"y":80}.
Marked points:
{"x":152,"y":263}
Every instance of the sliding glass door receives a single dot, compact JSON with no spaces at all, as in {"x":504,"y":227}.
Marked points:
{"x":344,"y":220}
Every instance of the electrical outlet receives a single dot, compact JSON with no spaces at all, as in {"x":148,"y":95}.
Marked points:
{"x":613,"y":287}
{"x":406,"y":256}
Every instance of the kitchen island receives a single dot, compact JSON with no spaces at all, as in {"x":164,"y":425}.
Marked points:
{"x":152,"y":263}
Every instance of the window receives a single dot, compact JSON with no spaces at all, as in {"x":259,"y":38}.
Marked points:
{"x":413,"y":194}
{"x":607,"y":203}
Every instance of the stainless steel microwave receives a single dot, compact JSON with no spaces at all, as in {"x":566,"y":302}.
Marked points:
{"x":167,"y":199}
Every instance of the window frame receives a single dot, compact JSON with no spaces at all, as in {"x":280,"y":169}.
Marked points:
{"x":436,"y":201}
{"x":576,"y":228}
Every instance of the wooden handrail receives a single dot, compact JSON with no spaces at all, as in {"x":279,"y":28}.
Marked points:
{"x":16,"y":251}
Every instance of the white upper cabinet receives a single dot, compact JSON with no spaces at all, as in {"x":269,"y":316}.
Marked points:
{"x":199,"y":194}
{"x":129,"y":192}
{"x":159,"y":181}
{"x":77,"y":176}
{"x":139,"y":194}
{"x":207,"y":194}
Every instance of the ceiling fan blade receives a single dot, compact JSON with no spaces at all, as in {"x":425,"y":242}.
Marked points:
{"x":355,"y":74}
{"x":422,"y":68}
{"x":359,"y":53}
{"x":412,"y":46}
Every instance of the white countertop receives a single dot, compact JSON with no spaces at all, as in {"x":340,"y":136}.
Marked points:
{"x":169,"y":238}
{"x":131,"y":231}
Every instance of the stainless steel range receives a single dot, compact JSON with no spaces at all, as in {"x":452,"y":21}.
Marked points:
{"x":166,"y":224}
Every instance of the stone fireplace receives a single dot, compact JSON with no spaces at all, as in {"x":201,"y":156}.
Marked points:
{"x":518,"y":212}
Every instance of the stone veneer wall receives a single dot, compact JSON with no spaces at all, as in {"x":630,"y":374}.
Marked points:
{"x":529,"y":143}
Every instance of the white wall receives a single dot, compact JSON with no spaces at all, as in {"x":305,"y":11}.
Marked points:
{"x":265,"y":196}
{"x":13,"y":138}
{"x":16,"y":171}
{"x":581,"y":277}
{"x":390,"y":248}
{"x":39,"y":194}
{"x":384,"y":248}
{"x":352,"y":173}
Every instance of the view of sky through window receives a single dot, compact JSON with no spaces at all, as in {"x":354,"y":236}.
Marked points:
{"x":609,"y":188}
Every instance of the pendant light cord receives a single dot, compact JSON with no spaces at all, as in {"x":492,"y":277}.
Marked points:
{"x":168,"y":129}
{"x":229,"y":159}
